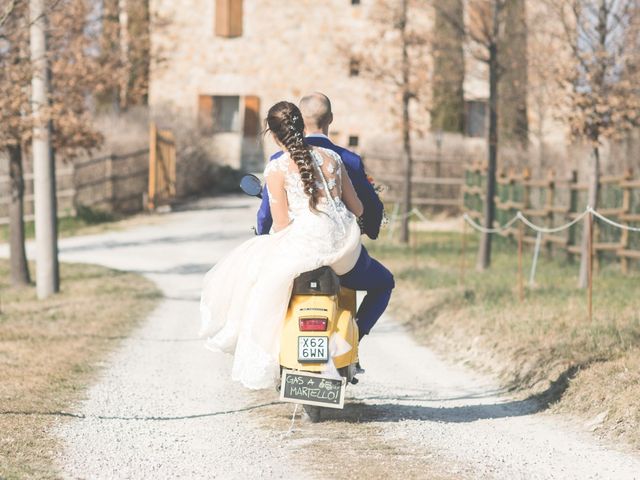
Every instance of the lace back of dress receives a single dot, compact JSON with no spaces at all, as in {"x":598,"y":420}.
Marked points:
{"x":329,"y":170}
{"x":328,"y":183}
{"x":329,"y":173}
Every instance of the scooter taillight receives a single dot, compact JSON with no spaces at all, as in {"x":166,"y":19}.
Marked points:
{"x":315,"y":324}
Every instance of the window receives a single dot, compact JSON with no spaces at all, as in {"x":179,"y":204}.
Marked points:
{"x":475,"y":118}
{"x":354,"y":67}
{"x":226,"y":113}
{"x":228,"y":18}
{"x":220,"y":113}
{"x":354,"y":140}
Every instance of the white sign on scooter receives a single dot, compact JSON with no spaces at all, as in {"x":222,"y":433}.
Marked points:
{"x":312,"y":389}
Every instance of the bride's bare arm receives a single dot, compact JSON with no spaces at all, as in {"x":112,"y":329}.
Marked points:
{"x":278,"y":199}
{"x":349,"y":195}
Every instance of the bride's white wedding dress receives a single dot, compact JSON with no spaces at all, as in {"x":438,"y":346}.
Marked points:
{"x":245,"y":296}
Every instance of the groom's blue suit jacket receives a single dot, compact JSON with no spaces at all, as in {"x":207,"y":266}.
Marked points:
{"x":373,"y":208}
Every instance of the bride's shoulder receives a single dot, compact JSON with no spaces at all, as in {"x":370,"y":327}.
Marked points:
{"x":279,"y":163}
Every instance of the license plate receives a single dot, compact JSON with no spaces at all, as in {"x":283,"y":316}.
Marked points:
{"x":313,"y":349}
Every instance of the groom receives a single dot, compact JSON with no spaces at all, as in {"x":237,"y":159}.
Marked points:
{"x":368,"y":274}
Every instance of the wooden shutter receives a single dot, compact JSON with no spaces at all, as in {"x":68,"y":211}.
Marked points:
{"x":251,"y":116}
{"x":205,"y":114}
{"x":229,"y":18}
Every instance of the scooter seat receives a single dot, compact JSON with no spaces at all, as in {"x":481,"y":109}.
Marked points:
{"x":321,"y":281}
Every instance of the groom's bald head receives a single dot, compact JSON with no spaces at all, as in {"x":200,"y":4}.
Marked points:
{"x":316,"y":111}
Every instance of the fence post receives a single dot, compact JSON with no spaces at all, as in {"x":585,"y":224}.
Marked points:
{"x":526,"y":188}
{"x":463,"y":252}
{"x":549,"y":202}
{"x":626,"y":209}
{"x":463,"y":188}
{"x":520,"y":272}
{"x":109,"y":194}
{"x":501,"y":188}
{"x":477,"y":181}
{"x":172,"y":167}
{"x":153,"y":152}
{"x":438,"y":172}
{"x":590,"y":265}
{"x":511,"y":177}
{"x":573,"y":207}
{"x":74,"y":185}
{"x":595,"y":233}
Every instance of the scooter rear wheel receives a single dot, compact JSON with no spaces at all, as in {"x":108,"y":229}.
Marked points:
{"x":313,"y":413}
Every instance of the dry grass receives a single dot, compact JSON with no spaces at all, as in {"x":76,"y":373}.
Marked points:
{"x":49,"y":351}
{"x":544,"y":345}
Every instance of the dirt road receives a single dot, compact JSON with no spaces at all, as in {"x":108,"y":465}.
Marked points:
{"x":164,"y":406}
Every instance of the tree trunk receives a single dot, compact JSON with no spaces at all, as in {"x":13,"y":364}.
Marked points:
{"x":408,"y":166}
{"x":594,"y":185}
{"x":19,"y":267}
{"x":406,"y":129}
{"x":123,"y":21}
{"x":44,"y":188}
{"x":484,"y":252}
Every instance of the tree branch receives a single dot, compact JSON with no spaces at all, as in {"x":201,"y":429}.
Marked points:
{"x":7,"y":12}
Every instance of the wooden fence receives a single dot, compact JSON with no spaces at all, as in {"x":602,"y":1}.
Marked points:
{"x":112,"y":183}
{"x":436,"y":180}
{"x":554,"y":201}
{"x":65,"y":193}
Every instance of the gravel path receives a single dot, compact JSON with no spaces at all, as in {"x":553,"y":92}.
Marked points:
{"x":465,"y":420}
{"x":164,"y":407}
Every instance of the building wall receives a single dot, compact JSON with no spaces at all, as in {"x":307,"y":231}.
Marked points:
{"x":287,"y":49}
{"x":291,"y":48}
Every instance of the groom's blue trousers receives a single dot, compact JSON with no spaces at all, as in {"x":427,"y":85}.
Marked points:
{"x":371,"y":276}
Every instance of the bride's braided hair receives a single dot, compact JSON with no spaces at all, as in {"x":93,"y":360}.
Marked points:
{"x":285,"y":121}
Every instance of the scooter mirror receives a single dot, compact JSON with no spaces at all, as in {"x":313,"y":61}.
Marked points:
{"x":250,"y":184}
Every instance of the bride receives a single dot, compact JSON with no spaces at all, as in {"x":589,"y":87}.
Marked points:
{"x":314,"y":206}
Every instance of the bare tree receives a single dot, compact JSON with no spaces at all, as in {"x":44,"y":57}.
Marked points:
{"x":600,"y":79}
{"x":76,"y":73}
{"x":483,"y":33}
{"x":543,"y":88}
{"x":447,"y":112}
{"x":15,"y":75}
{"x":44,"y":179}
{"x":125,"y":45}
{"x":494,"y":33}
{"x":18,"y":255}
{"x":395,"y":56}
{"x":514,"y":76}
{"x":8,"y":10}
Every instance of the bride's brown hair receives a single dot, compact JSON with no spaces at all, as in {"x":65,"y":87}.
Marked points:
{"x":285,"y":122}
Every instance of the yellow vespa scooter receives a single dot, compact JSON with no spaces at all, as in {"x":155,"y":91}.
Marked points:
{"x":319,"y":340}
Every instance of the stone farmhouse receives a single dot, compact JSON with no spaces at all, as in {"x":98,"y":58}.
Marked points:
{"x":225,"y":62}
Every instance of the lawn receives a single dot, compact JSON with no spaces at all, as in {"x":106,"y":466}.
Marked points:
{"x":51,"y":349}
{"x":544,"y":346}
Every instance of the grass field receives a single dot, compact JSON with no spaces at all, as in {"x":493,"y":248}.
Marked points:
{"x":545,"y":345}
{"x":51,"y":349}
